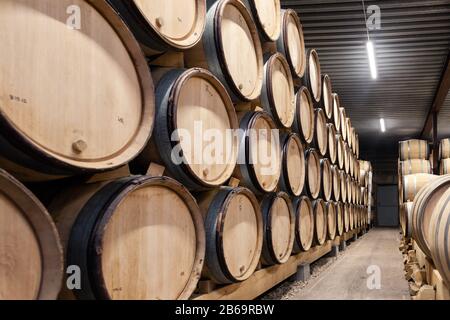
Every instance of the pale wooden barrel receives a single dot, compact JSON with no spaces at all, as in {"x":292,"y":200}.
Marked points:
{"x":326,"y":100}
{"x":31,"y":266}
{"x":293,"y":174}
{"x":304,"y":224}
{"x":413,"y":166}
{"x":336,"y":112}
{"x":340,"y":151}
{"x":343,"y":180}
{"x":234,"y":233}
{"x":343,"y":119}
{"x":444,"y":166}
{"x":191,"y":103}
{"x":313,"y":173}
{"x":260,"y":147}
{"x":413,"y":183}
{"x":320,"y":222}
{"x":348,"y":185}
{"x":353,"y":135}
{"x":332,"y":143}
{"x":292,"y":43}
{"x":424,"y":204}
{"x":279,"y":228}
{"x":327,"y":180}
{"x":239,"y":67}
{"x":331,"y":220}
{"x":357,"y":147}
{"x":127,"y":233}
{"x":406,"y":210}
{"x":444,"y":149}
{"x":357,"y":169}
{"x":75,"y":121}
{"x":313,"y":76}
{"x":267,"y":16}
{"x":439,"y":236}
{"x":365,"y":165}
{"x":162,"y":25}
{"x":346,"y":217}
{"x":339,"y":218}
{"x":351,"y":163}
{"x":413,"y":149}
{"x":336,"y":194}
{"x":278,"y":96}
{"x":304,"y":121}
{"x":348,"y":126}
{"x":321,"y":134}
{"x":346,"y":158}
{"x":351,"y":219}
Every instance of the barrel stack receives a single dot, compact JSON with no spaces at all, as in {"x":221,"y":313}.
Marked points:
{"x":180,"y":159}
{"x":444,"y":156}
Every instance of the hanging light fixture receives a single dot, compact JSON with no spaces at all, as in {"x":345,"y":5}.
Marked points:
{"x":370,"y":49}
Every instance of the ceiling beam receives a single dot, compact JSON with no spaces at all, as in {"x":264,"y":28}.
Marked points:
{"x":438,"y":101}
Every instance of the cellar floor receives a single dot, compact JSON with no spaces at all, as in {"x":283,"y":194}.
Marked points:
{"x":347,"y":278}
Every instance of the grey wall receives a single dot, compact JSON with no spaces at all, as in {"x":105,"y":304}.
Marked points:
{"x":387,"y":206}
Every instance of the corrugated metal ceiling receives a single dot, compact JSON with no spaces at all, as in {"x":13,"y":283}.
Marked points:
{"x":411,"y":47}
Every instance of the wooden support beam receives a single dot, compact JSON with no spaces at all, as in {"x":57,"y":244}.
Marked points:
{"x":438,"y":101}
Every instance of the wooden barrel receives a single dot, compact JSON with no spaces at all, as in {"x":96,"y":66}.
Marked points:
{"x":348,"y":185}
{"x":336,"y":112}
{"x":424,"y":204}
{"x":439,"y":241}
{"x":313,"y":76}
{"x":93,"y":126}
{"x":348,"y":126}
{"x":331,"y":220}
{"x":336,"y":194}
{"x":261,"y":150}
{"x":413,"y":149}
{"x":444,"y":166}
{"x":320,"y":222}
{"x":406,"y":210}
{"x":293,"y":174}
{"x":291,"y":42}
{"x":164,"y":25}
{"x":327,"y":180}
{"x":313,"y":174}
{"x":267,"y":16}
{"x":304,"y":121}
{"x":444,"y":149}
{"x":357,"y":151}
{"x":346,"y":217}
{"x":343,"y":181}
{"x":326,"y":100}
{"x":351,"y":163}
{"x":321,"y":134}
{"x":278,"y":96}
{"x":234,"y":233}
{"x":31,"y":266}
{"x":357,"y":170}
{"x":365,"y":165}
{"x":354,"y":192}
{"x":340,"y":154}
{"x":304,"y":224}
{"x":415,"y":166}
{"x":332,"y":143}
{"x":347,"y":153}
{"x":412,"y":184}
{"x":190,"y":104}
{"x":351,"y":219}
{"x":343,"y":119}
{"x":240,"y":68}
{"x":339,"y":218}
{"x":353,"y":135}
{"x":279,"y":228}
{"x":127,"y":233}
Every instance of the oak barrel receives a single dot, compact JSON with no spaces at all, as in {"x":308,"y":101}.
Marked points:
{"x":75,"y":121}
{"x":279,"y":228}
{"x":321,"y":134}
{"x":331,"y":220}
{"x":278,"y":96}
{"x":343,"y":120}
{"x":304,"y":121}
{"x":313,"y":173}
{"x":348,"y":126}
{"x":406,"y":210}
{"x":327,"y":180}
{"x":320,"y":222}
{"x":332,"y":143}
{"x":239,"y":67}
{"x":444,"y":149}
{"x":234,"y":233}
{"x":304,"y":224}
{"x":293,"y":174}
{"x":336,"y":194}
{"x":267,"y":16}
{"x":346,"y":217}
{"x":162,"y":25}
{"x":339,"y":218}
{"x":336,"y":112}
{"x":340,"y":151}
{"x":343,"y":181}
{"x":412,"y":184}
{"x":346,"y":158}
{"x":31,"y":266}
{"x":444,"y":166}
{"x":313,"y":76}
{"x":326,"y":100}
{"x":413,"y":149}
{"x":291,"y":42}
{"x":137,"y":237}
{"x":413,"y":166}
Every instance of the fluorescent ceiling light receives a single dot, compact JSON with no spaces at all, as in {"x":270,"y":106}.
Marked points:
{"x":382,"y":125}
{"x":372,"y":62}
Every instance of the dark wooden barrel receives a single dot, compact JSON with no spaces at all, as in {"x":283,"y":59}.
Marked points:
{"x":234,"y":233}
{"x":59,"y":115}
{"x":304,"y":224}
{"x":321,"y":134}
{"x":327,"y":180}
{"x":279,"y":228}
{"x":331,"y":220}
{"x":320,"y":222}
{"x":31,"y":260}
{"x":267,"y":16}
{"x":326,"y":100}
{"x":336,"y":189}
{"x":109,"y":230}
{"x":313,"y":173}
{"x":293,"y":174}
{"x":304,"y":121}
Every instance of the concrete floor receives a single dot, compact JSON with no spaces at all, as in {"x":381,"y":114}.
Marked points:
{"x":347,"y":278}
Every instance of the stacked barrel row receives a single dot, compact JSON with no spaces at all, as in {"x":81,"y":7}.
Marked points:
{"x":259,"y":112}
{"x":444,"y":157}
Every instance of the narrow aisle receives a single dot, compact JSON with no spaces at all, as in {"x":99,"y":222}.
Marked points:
{"x":347,"y":277}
